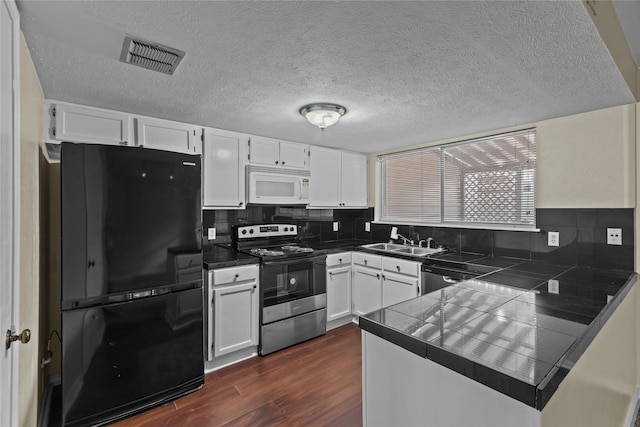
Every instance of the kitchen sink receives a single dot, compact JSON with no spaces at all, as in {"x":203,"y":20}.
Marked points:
{"x":384,"y":246}
{"x":395,"y":248}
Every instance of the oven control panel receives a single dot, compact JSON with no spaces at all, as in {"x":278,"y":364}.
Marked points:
{"x":266,"y":230}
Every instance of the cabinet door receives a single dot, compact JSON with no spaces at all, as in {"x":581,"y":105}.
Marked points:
{"x":223,"y":169}
{"x":264,"y":151}
{"x":338,"y":292}
{"x":235,"y":311}
{"x":324,"y":188}
{"x":367,"y":290}
{"x":294,"y":155}
{"x":397,"y":288}
{"x":354,"y":180}
{"x":92,"y":125}
{"x":169,"y":136}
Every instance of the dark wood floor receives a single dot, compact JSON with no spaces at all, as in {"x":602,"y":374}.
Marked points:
{"x":316,"y":383}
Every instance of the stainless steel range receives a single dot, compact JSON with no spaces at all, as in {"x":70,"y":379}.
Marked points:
{"x":293,"y":289}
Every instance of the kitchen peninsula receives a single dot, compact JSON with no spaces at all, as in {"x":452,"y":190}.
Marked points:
{"x":488,"y":351}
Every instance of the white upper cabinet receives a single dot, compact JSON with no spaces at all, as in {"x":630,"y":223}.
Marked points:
{"x":272,"y":152}
{"x":223,"y":177}
{"x":76,"y":123}
{"x":168,"y":135}
{"x":325,"y":185}
{"x":354,"y":179}
{"x":338,"y":179}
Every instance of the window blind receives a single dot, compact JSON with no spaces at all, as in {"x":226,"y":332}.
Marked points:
{"x":484,"y":182}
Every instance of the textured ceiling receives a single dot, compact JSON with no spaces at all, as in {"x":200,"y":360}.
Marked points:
{"x":407,"y":72}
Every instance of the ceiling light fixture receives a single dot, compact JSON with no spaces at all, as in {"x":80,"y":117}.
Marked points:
{"x":322,"y":115}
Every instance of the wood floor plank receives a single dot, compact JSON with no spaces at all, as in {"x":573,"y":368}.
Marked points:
{"x":315,"y":383}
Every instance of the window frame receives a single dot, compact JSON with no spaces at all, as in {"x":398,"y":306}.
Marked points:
{"x":519,"y":167}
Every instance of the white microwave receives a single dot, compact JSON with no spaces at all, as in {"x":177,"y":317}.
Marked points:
{"x":268,"y":185}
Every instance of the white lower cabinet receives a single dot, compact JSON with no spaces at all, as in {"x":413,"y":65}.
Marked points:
{"x":397,"y":288}
{"x":233,"y":312}
{"x":338,"y":286}
{"x":400,"y":280}
{"x":367,"y":283}
{"x":380,"y":281}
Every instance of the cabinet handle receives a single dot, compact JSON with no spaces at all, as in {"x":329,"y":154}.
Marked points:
{"x":283,"y":162}
{"x":340,"y":259}
{"x":384,"y":277}
{"x":237,"y":275}
{"x":240,"y":204}
{"x":277,"y":162}
{"x":124,"y":143}
{"x":378,"y":276}
{"x":398,"y":267}
{"x":255,"y":287}
{"x":365,"y":262}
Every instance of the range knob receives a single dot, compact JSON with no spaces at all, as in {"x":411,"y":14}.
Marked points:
{"x":286,"y":229}
{"x":244,"y":231}
{"x":251,"y":231}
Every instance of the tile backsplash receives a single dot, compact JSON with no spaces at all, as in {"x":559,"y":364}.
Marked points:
{"x":583,"y":239}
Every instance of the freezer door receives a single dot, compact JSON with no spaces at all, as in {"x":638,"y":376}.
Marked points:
{"x":123,"y":358}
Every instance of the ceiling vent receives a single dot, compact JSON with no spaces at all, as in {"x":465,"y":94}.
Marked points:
{"x":149,"y":55}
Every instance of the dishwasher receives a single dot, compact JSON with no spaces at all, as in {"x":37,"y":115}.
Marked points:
{"x":438,"y":276}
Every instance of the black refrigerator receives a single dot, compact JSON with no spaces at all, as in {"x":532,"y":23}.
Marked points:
{"x":132,"y":295}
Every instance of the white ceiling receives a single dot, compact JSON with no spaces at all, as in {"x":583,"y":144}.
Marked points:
{"x":407,"y":72}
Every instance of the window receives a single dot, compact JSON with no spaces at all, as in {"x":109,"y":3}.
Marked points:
{"x":485,"y":182}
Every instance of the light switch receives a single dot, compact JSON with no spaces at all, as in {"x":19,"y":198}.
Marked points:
{"x":211,"y":233}
{"x":553,"y":286}
{"x":367,"y":226}
{"x":335,"y":226}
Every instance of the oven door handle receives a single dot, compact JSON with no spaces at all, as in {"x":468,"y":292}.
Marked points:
{"x":289,"y":261}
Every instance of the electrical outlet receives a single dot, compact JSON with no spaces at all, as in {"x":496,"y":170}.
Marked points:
{"x":553,"y":238}
{"x":367,"y":227}
{"x":614,"y":236}
{"x":553,"y":286}
{"x":335,"y":226}
{"x":211,"y":233}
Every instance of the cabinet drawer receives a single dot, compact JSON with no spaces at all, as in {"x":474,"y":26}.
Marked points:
{"x":401,"y":266}
{"x":234,"y":274}
{"x":338,"y":259}
{"x":368,"y":260}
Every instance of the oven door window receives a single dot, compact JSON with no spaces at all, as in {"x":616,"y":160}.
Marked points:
{"x":287,"y":282}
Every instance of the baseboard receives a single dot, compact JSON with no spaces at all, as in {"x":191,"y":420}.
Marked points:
{"x":632,"y":413}
{"x":230,"y":359}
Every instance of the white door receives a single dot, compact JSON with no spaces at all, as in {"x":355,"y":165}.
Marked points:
{"x":222,"y":169}
{"x":367,"y":290}
{"x":338,"y":292}
{"x":325,"y":177}
{"x":397,"y":288}
{"x":235,"y":317}
{"x":9,"y":203}
{"x":169,"y":136}
{"x":354,"y":180}
{"x":294,"y":155}
{"x":264,"y":151}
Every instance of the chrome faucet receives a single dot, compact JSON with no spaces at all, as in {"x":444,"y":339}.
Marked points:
{"x":429,"y":241}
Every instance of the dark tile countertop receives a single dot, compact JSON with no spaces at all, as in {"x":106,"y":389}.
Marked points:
{"x":513,"y":329}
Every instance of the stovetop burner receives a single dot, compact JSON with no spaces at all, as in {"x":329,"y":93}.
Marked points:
{"x":265,"y":252}
{"x":269,"y":241}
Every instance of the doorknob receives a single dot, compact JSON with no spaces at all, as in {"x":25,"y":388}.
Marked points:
{"x":24,"y":337}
